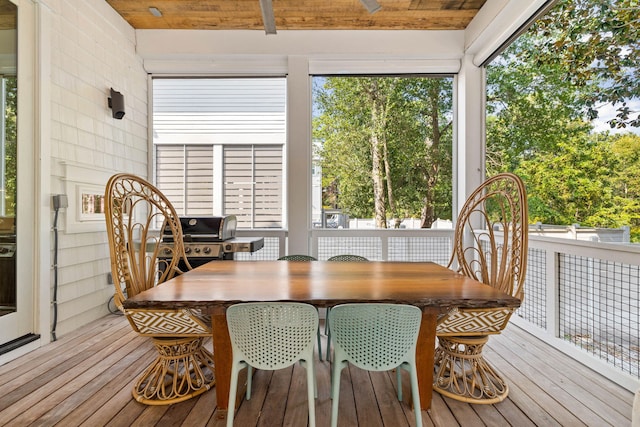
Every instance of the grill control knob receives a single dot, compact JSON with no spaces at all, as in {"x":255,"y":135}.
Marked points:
{"x":227,"y":248}
{"x":197,"y":250}
{"x":187,"y":250}
{"x":206,"y":250}
{"x":167,"y":251}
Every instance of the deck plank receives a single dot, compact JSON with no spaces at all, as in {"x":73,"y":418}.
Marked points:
{"x":587,"y":385}
{"x":273,"y":409}
{"x":564,"y":390}
{"x":85,"y":379}
{"x":367,"y":411}
{"x":82,"y":403}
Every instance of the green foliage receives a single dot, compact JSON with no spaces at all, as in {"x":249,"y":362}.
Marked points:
{"x":10,"y":144}
{"x":543,"y":92}
{"x":585,"y":181}
{"x":408,"y":120}
{"x":596,"y":46}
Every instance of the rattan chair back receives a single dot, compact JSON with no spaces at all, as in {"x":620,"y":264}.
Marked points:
{"x":135,"y":213}
{"x":491,"y":234}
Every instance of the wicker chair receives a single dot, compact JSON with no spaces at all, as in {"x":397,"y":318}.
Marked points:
{"x":135,"y":210}
{"x":271,"y":336}
{"x":375,"y":337}
{"x":490,"y":246}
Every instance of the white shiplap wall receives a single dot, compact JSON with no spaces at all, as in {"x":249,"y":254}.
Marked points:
{"x":91,"y":49}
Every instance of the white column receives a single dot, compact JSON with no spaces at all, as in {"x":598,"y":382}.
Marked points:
{"x":469,"y":169}
{"x":298,"y":155}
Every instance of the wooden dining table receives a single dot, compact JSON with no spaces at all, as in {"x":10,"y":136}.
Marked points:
{"x":218,"y":284}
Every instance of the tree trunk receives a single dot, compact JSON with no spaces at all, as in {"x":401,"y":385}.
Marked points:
{"x":433,"y":155}
{"x":377,"y":154}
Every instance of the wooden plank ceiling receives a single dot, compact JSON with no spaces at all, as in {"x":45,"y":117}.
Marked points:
{"x":8,"y":15}
{"x":299,"y":14}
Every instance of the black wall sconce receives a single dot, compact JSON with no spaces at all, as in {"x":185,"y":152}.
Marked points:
{"x":116,"y":103}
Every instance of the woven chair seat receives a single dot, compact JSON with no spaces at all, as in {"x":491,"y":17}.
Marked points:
{"x":169,"y":322}
{"x":474,"y":322}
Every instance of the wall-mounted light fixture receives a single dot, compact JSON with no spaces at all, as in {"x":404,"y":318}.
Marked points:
{"x":116,"y":103}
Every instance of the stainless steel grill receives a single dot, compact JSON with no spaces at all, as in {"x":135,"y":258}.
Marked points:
{"x":212,"y":238}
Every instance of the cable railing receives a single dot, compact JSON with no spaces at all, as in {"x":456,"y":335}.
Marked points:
{"x":583,"y":298}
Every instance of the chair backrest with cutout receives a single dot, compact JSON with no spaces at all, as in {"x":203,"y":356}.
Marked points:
{"x":491,"y":234}
{"x":348,"y":257}
{"x":135,"y":213}
{"x":375,"y":337}
{"x":297,"y":258}
{"x":272,"y":336}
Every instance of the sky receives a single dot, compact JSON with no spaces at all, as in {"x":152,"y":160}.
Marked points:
{"x":607,"y":112}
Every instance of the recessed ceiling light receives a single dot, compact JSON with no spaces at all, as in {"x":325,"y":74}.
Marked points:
{"x":155,"y":11}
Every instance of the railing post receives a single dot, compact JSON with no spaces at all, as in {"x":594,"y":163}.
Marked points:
{"x":552,"y":293}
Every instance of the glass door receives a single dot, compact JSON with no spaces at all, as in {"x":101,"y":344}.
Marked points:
{"x":13,"y":309}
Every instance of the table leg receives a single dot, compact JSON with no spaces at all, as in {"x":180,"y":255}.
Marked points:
{"x":222,"y":357}
{"x":425,"y":356}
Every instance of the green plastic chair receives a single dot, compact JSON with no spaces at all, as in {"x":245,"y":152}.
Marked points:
{"x":297,"y":258}
{"x":375,"y":337}
{"x":305,"y":258}
{"x":347,"y":257}
{"x":271,"y":336}
{"x":327,"y":330}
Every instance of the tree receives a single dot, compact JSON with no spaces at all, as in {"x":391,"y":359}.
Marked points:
{"x":544,"y":90}
{"x":594,"y":43}
{"x":385,"y":146}
{"x":562,"y":189}
{"x":10,"y":141}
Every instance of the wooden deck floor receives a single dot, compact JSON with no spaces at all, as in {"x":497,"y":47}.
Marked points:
{"x":85,"y":379}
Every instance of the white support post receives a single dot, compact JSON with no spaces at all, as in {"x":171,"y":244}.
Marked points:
{"x":470,"y":132}
{"x":298,"y":155}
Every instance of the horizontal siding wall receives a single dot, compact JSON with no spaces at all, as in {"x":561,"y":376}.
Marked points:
{"x":242,"y":111}
{"x":219,"y":147}
{"x":91,"y":50}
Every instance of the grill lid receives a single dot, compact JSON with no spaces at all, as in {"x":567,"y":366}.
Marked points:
{"x":205,"y":229}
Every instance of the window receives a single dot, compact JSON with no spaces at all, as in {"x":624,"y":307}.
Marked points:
{"x":562,"y":112}
{"x":382,"y":151}
{"x":219,"y":147}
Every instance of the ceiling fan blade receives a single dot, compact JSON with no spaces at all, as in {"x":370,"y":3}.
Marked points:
{"x":372,"y":5}
{"x":267,"y":16}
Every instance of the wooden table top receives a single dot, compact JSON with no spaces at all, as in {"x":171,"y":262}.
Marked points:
{"x":321,"y":283}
